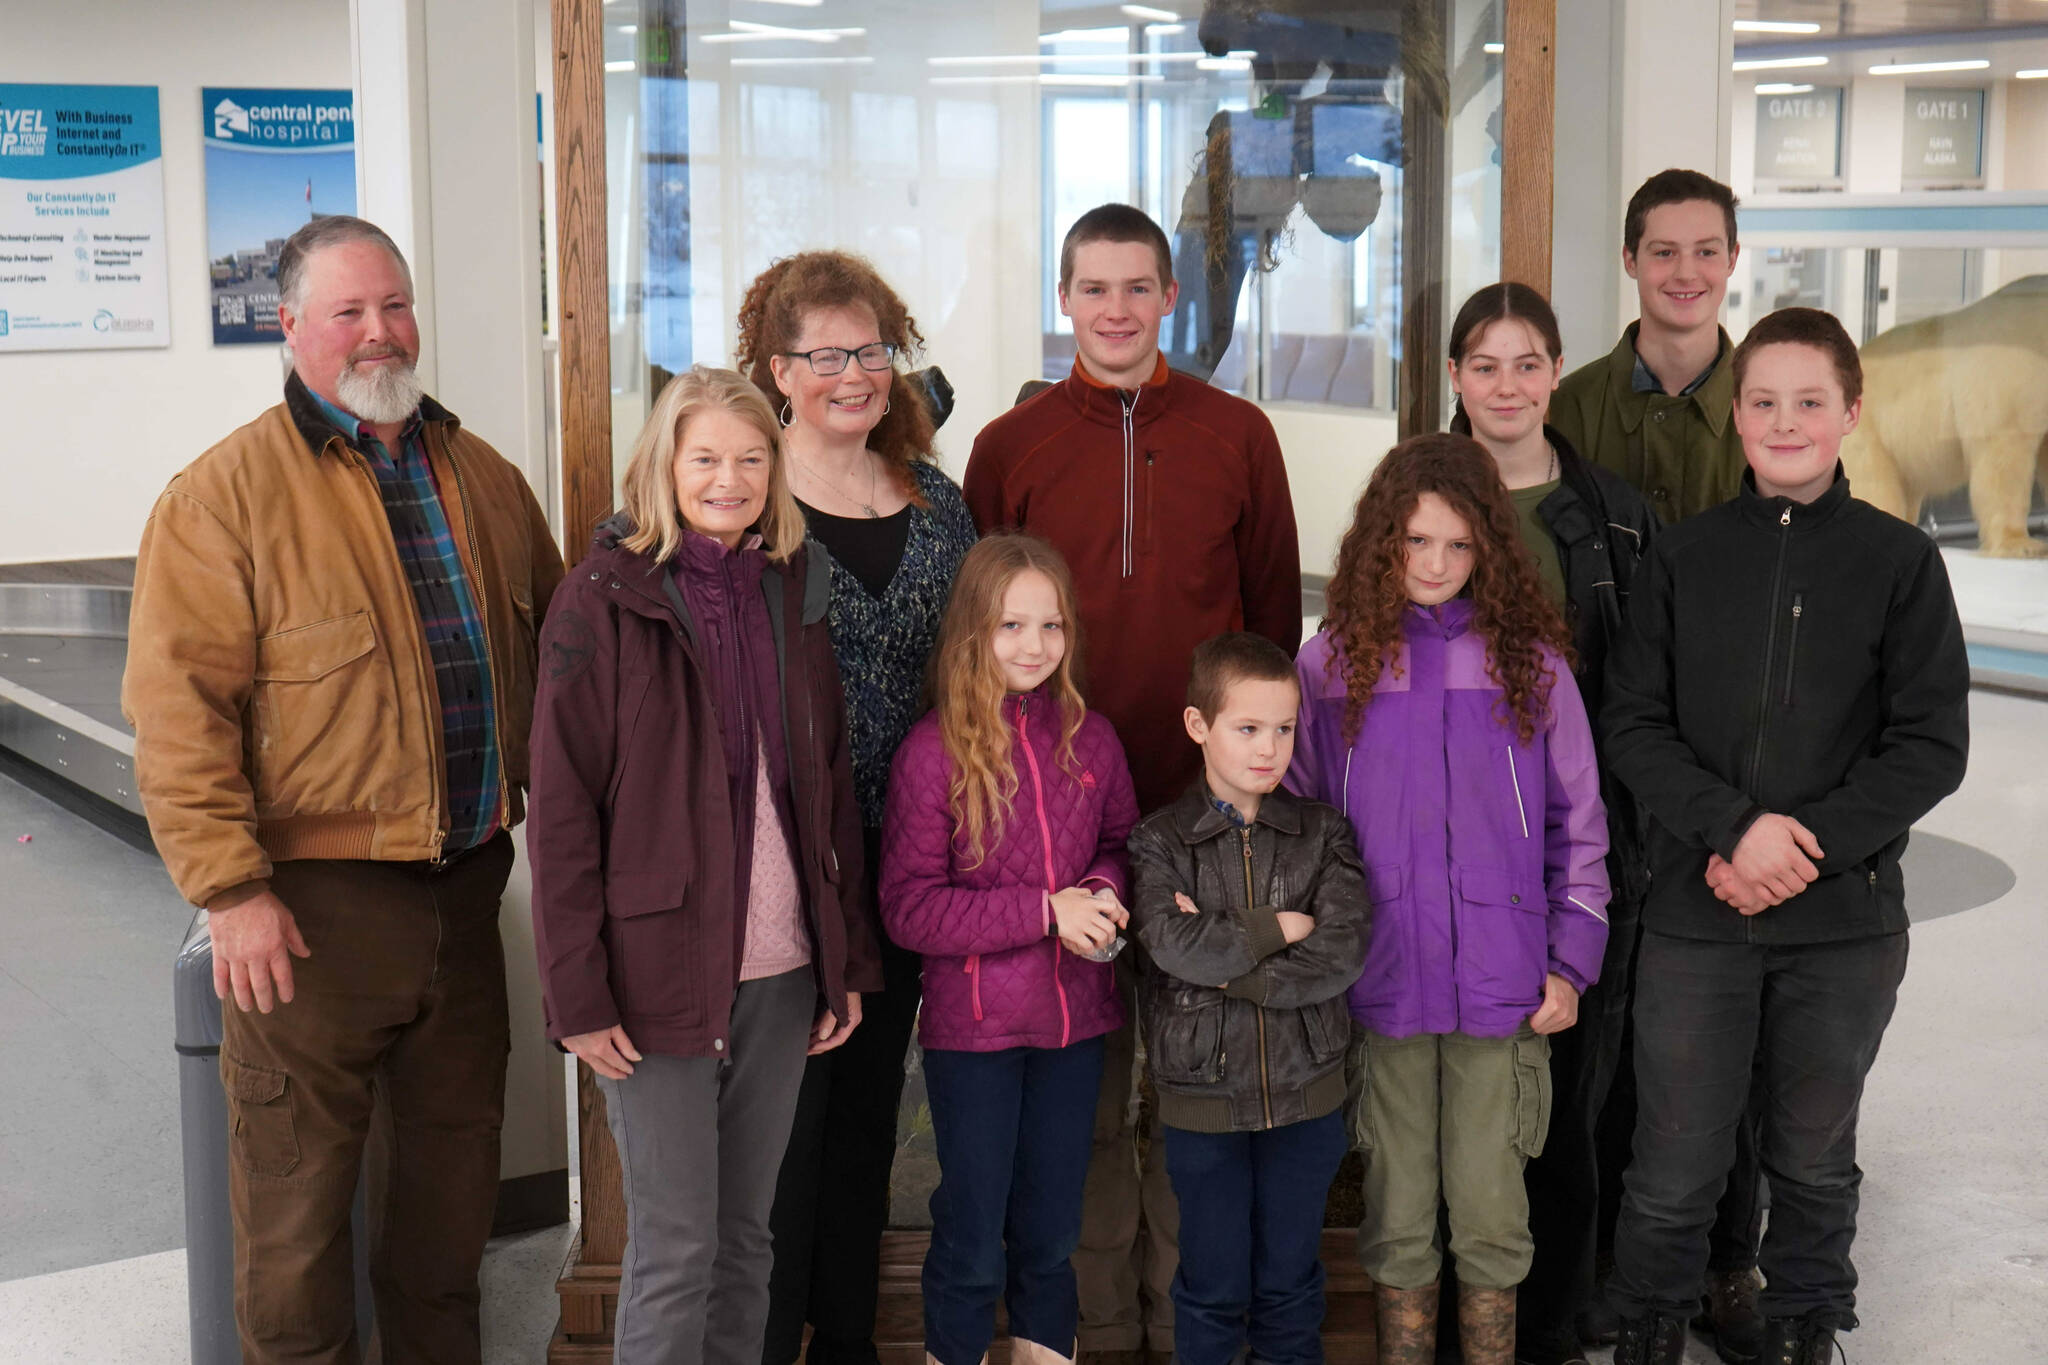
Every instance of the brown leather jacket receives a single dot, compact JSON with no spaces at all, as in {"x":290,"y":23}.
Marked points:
{"x":280,"y":690}
{"x":1245,"y":1030}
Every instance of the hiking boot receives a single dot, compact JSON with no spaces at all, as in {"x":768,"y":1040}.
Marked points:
{"x":1794,"y":1341}
{"x":1730,"y":1315}
{"x":1653,"y":1340}
{"x":1407,"y":1322}
{"x":1486,"y":1325}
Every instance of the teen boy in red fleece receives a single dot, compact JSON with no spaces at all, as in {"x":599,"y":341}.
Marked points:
{"x":1169,"y":500}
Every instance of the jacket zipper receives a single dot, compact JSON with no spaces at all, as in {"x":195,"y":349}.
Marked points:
{"x":1265,"y":1081}
{"x":1045,"y":845}
{"x":1515,"y":781}
{"x":1792,"y":645}
{"x":1130,"y":405}
{"x":1763,"y":695}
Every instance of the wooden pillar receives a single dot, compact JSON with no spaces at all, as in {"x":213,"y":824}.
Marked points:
{"x":1425,"y":151}
{"x":1528,"y":142}
{"x":581,"y":274}
{"x":588,"y":1287}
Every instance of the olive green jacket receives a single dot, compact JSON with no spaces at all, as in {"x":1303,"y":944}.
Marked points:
{"x":1681,"y":452}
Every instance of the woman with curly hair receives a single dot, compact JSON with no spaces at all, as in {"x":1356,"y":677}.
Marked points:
{"x":821,"y":334}
{"x":1439,"y":713}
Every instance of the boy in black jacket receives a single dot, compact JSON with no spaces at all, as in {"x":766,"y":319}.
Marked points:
{"x":1251,"y":906}
{"x":1790,"y":696}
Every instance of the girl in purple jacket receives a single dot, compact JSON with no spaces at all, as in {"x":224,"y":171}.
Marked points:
{"x":1439,"y":713}
{"x":1003,"y":864}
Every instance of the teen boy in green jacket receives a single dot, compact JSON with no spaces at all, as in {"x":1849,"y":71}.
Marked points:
{"x":1656,"y":409}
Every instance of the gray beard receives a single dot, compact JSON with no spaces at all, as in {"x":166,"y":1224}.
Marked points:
{"x":381,"y":397}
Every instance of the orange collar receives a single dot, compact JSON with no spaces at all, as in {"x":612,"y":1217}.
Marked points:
{"x":1158,"y":374}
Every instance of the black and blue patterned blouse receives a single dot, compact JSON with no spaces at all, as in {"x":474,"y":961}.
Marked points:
{"x":883,"y":638}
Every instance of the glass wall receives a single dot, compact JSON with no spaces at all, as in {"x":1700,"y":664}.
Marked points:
{"x":1894,"y":171}
{"x":1329,"y":175}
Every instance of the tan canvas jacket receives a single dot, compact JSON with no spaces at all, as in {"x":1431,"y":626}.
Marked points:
{"x":281,"y":692}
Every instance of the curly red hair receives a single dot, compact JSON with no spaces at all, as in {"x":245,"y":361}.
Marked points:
{"x":772,"y":317}
{"x":1368,"y":593}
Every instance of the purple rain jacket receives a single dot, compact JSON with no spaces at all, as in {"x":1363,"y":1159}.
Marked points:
{"x":995,"y":972}
{"x":1485,"y":857}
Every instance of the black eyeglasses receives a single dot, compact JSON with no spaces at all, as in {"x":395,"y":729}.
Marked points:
{"x":876,"y":355}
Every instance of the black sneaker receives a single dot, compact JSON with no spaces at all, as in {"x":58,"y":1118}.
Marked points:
{"x":1654,"y":1340}
{"x":1793,"y":1341}
{"x":1730,"y":1315}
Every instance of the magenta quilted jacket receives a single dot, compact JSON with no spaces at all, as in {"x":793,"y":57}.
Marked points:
{"x":995,"y":972}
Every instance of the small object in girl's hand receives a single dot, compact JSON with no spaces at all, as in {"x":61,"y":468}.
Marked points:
{"x":1107,"y":952}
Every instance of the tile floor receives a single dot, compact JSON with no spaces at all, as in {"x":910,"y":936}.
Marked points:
{"x":1954,"y":1243}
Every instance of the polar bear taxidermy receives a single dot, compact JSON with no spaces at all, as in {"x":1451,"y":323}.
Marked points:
{"x":1961,"y":397}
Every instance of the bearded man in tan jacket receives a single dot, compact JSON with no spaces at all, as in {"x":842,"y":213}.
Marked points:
{"x":330,"y":675}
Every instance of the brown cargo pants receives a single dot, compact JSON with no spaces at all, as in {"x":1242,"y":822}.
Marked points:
{"x":394,"y":1044}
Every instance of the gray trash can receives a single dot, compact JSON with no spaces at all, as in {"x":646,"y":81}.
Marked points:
{"x":203,"y":1117}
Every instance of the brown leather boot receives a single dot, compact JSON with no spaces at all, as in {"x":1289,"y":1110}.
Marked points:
{"x":1407,"y":1321}
{"x":1486,"y":1325}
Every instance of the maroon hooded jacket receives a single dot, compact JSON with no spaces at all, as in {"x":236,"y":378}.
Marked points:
{"x":630,"y":825}
{"x":1170,"y":503}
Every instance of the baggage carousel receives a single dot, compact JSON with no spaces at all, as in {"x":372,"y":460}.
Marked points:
{"x":63,"y":647}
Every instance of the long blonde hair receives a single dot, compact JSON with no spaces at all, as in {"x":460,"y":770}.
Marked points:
{"x":647,"y":493}
{"x":968,"y":688}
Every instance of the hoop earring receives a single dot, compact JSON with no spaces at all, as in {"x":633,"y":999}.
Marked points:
{"x":885,"y":407}
{"x":784,"y":416}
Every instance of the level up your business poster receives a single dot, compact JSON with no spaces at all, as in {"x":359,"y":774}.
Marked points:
{"x":82,"y":262}
{"x":275,"y":160}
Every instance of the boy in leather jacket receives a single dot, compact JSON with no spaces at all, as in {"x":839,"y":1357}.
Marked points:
{"x":1250,"y":904}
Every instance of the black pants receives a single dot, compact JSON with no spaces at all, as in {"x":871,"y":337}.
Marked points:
{"x":1801,"y":1026}
{"x":1738,"y":1218}
{"x":1565,"y":1182}
{"x":832,"y":1200}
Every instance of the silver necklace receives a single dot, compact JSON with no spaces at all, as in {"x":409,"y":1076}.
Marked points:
{"x":868,"y":506}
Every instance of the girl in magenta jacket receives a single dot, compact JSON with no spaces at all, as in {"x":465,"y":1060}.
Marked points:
{"x":1438,"y":711}
{"x":1003,"y":864}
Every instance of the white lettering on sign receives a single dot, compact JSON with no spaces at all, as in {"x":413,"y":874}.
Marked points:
{"x":1955,"y":111}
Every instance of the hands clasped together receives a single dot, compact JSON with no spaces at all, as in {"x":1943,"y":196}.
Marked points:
{"x":1772,"y":863}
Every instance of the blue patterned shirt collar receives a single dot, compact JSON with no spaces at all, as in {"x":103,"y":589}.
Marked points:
{"x":351,"y":425}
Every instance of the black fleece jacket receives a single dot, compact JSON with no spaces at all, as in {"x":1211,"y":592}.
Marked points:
{"x":1797,"y":658}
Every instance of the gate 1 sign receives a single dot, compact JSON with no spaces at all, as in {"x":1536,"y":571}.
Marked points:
{"x":275,"y":160}
{"x":1944,"y":136}
{"x":1799,"y":137}
{"x":81,"y":219}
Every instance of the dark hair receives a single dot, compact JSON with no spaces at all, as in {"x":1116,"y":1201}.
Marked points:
{"x":1115,"y":223}
{"x":1224,"y":660}
{"x":1675,"y":187}
{"x":1804,"y":327}
{"x":331,"y":229}
{"x":1508,"y":301}
{"x":1368,"y":594}
{"x":772,"y":317}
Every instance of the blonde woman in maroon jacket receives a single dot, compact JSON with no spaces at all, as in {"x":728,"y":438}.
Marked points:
{"x":698,"y":898}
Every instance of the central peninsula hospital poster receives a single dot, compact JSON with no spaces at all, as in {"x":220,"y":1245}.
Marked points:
{"x":275,"y":160}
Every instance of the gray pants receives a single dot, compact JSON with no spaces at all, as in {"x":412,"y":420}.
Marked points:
{"x":700,"y":1142}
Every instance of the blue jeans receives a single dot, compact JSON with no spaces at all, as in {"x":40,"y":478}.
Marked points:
{"x":1804,"y":1022}
{"x":1014,"y":1130}
{"x":1251,"y":1233}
